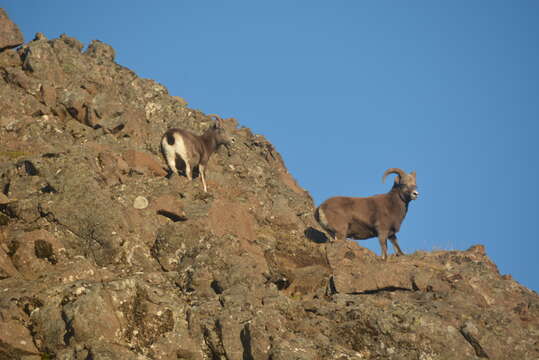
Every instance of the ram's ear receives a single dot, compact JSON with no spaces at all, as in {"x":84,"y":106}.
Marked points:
{"x":413,"y":174}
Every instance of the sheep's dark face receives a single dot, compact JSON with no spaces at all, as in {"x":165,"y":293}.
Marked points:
{"x":221,"y":135}
{"x":409,"y":187}
{"x":404,"y":183}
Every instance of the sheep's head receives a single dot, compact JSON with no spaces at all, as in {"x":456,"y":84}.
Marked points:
{"x":221,"y":135}
{"x":405,"y":183}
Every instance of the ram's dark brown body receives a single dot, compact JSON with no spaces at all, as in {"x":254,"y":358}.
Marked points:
{"x":367,"y":217}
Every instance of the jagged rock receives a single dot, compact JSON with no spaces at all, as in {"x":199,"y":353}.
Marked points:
{"x":10,"y":35}
{"x":35,"y":253}
{"x":15,"y":340}
{"x":75,"y":99}
{"x":7,"y":269}
{"x":40,"y":36}
{"x":40,"y":60}
{"x":100,"y":50}
{"x":9,"y":58}
{"x":48,"y":94}
{"x":241,"y":272}
{"x":71,"y":42}
{"x":19,"y":78}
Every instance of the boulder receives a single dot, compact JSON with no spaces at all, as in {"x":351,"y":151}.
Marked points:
{"x":99,"y":50}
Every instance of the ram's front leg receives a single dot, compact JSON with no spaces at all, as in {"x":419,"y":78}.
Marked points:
{"x":202,"y":171}
{"x":188,"y":170}
{"x":393,"y":239}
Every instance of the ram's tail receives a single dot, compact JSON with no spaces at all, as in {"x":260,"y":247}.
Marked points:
{"x":321,"y":218}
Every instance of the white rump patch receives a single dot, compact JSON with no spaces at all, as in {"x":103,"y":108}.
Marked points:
{"x":179,"y":147}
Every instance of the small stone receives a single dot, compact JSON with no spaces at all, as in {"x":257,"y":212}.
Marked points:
{"x":470,"y":329}
{"x":80,"y":290}
{"x":140,"y":203}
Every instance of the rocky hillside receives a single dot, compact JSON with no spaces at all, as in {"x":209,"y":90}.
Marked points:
{"x":103,"y":257}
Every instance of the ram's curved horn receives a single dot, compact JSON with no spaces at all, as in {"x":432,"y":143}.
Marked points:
{"x":397,"y":171}
{"x":219,"y":120}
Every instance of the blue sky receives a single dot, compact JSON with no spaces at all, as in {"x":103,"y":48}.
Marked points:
{"x":347,"y":89}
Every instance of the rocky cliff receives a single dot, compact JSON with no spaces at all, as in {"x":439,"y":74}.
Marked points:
{"x":103,"y":257}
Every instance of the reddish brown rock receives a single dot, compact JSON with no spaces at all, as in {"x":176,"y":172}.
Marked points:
{"x":48,"y":94}
{"x":144,"y":163}
{"x":169,"y":206}
{"x":19,"y":78}
{"x":10,"y":35}
{"x":9,"y":58}
{"x":6,"y":266}
{"x":114,"y":167}
{"x":15,"y":340}
{"x":35,"y":253}
{"x":39,"y":58}
{"x":228,"y":217}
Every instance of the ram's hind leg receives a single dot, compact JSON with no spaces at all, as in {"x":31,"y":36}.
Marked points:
{"x":170,"y":156}
{"x":341,"y":232}
{"x":382,"y":238}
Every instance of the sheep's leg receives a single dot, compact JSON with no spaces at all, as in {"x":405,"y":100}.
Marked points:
{"x":188,"y":172}
{"x":201,"y":170}
{"x":382,"y":238}
{"x":393,"y":239}
{"x":339,"y":234}
{"x":333,"y":236}
{"x":171,"y":161}
{"x":330,"y":235}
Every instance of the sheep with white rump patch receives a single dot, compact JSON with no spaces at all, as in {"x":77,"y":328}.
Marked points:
{"x":379,"y":215}
{"x":194,"y":150}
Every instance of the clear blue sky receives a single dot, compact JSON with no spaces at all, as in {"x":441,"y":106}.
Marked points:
{"x":347,"y":89}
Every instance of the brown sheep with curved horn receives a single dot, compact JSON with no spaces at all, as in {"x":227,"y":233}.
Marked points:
{"x":379,"y":215}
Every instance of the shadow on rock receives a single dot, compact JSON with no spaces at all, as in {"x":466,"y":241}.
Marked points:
{"x":316,"y":235}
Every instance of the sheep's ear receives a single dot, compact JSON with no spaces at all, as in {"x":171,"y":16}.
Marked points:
{"x":413,"y":174}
